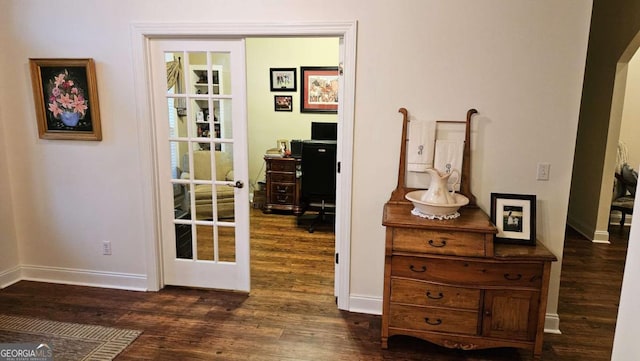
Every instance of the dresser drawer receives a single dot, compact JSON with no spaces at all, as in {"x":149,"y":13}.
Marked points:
{"x":461,"y":272}
{"x":433,"y":319}
{"x":440,"y":242}
{"x":430,"y":294}
{"x":276,"y":177}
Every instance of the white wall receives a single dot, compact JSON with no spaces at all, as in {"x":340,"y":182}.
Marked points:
{"x":630,"y":126}
{"x":520,"y":63}
{"x":266,"y":126}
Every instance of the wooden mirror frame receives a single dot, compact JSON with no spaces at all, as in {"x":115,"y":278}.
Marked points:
{"x":398,"y":195}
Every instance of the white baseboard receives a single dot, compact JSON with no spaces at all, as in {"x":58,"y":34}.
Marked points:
{"x":601,"y":237}
{"x":365,"y":304}
{"x":124,"y":281}
{"x":593,"y":235}
{"x":9,"y":277}
{"x":552,"y":323}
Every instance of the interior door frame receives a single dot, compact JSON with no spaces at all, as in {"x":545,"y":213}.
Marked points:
{"x":143,"y":33}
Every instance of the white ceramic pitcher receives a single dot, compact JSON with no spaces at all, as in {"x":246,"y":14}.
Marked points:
{"x":438,"y":192}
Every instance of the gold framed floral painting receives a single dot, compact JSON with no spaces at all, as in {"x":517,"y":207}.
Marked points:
{"x":66,"y":98}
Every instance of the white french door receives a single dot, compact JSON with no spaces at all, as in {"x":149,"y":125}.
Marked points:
{"x":199,"y":103}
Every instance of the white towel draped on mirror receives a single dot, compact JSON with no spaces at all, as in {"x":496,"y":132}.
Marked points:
{"x":422,"y":135}
{"x":448,"y":156}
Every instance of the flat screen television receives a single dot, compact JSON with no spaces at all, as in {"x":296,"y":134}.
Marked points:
{"x":324,"y":131}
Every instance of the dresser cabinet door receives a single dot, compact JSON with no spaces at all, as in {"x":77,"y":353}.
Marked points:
{"x":510,"y":314}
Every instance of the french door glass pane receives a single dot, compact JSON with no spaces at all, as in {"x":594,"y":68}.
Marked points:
{"x":205,"y":244}
{"x":215,"y":243}
{"x":179,"y":159}
{"x":183,"y":241}
{"x":179,"y":165}
{"x":224,"y":118}
{"x":226,"y":202}
{"x":175,"y":72}
{"x":226,"y":244}
{"x":177,"y":124}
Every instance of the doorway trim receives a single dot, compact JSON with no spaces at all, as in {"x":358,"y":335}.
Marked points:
{"x":143,"y":33}
{"x":601,"y":233}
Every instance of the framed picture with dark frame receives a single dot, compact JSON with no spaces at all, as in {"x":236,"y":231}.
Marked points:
{"x":283,"y":103}
{"x":283,"y":79}
{"x":66,"y":98}
{"x":319,"y":89}
{"x":515,"y":217}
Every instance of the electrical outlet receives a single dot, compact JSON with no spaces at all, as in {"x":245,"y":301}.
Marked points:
{"x":543,"y":171}
{"x":106,"y":248}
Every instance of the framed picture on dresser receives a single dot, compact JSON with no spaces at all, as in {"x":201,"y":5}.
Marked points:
{"x":515,"y":217}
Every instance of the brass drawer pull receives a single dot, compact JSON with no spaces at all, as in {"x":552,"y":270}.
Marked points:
{"x":421,"y":270}
{"x":442,"y":243}
{"x":509,"y":277}
{"x":433,"y":323}
{"x":439,"y":296}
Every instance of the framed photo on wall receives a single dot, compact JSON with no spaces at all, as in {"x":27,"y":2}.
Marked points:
{"x":283,"y":79}
{"x":515,"y":217}
{"x":66,"y":98}
{"x":319,"y":86}
{"x":283,"y":103}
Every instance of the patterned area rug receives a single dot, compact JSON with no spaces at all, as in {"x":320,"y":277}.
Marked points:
{"x":69,"y":341}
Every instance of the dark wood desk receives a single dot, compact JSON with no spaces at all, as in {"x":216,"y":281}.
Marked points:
{"x":283,"y":185}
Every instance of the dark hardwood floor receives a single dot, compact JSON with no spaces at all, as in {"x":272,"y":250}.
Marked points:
{"x":291,"y":312}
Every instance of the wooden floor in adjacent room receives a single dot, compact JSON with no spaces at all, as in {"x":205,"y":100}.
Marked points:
{"x":291,"y":312}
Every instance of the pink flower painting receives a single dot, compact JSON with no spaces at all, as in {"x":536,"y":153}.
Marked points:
{"x":66,"y":97}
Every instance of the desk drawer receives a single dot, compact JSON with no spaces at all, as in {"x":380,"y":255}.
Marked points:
{"x":277,"y":177}
{"x":433,"y":319}
{"x":283,"y":188}
{"x":282,"y":194}
{"x":283,"y":166}
{"x":461,"y":272}
{"x":440,"y":242}
{"x":430,"y":294}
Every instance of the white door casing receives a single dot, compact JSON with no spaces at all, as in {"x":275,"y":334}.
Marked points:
{"x":143,"y":33}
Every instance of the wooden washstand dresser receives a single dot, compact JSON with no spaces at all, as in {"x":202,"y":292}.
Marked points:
{"x":446,"y":282}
